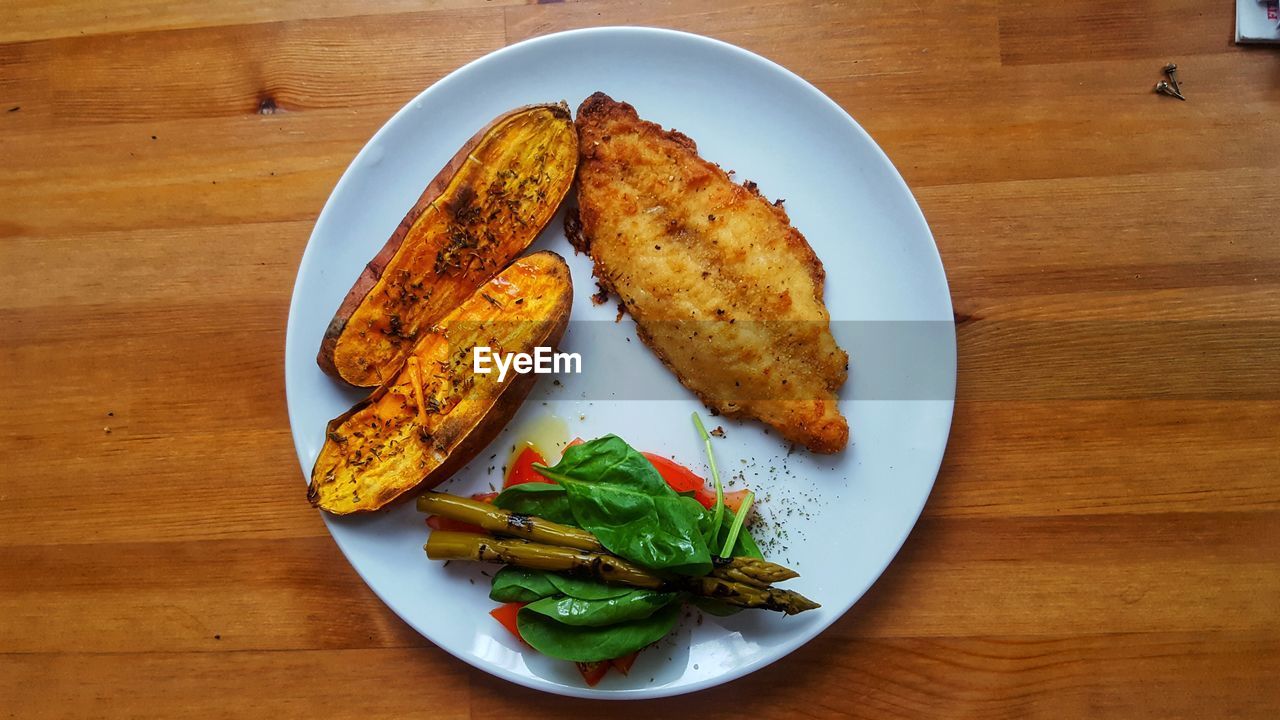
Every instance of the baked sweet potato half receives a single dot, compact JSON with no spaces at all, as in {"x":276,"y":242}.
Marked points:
{"x":435,"y":413}
{"x":481,"y":211}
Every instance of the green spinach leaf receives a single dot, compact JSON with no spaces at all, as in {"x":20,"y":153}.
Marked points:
{"x":581,"y":643}
{"x":544,"y":500}
{"x":615,"y":493}
{"x":513,"y":584}
{"x":584,"y":588}
{"x":633,"y":605}
{"x":609,"y":460}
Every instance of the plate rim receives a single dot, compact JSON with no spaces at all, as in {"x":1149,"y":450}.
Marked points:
{"x":937,"y":266}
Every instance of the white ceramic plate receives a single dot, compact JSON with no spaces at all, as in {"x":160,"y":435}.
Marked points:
{"x":886,"y":290}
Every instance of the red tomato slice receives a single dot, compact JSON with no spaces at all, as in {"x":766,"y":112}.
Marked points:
{"x":521,"y":471}
{"x":593,"y":672}
{"x":733,"y":500}
{"x":682,"y":479}
{"x":506,"y":614}
{"x":624,"y":663}
{"x":486,"y":497}
{"x":575,"y":441}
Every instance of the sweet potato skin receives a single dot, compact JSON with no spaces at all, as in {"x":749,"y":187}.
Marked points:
{"x":470,"y":222}
{"x":380,"y":451}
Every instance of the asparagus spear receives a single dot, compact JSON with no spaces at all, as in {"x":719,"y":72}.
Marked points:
{"x":497,"y":520}
{"x":760,"y":573}
{"x":444,"y":545}
{"x":504,"y":522}
{"x":750,"y":596}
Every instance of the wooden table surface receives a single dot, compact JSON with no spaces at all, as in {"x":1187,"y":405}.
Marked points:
{"x":1104,"y":537}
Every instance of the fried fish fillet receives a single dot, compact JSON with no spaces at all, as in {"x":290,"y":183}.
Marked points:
{"x":720,"y":285}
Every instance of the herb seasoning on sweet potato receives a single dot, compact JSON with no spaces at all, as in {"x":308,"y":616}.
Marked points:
{"x":434,"y":414}
{"x":481,"y":211}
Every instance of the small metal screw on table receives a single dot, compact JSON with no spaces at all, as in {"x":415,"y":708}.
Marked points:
{"x":1172,"y":71}
{"x":1164,"y":88}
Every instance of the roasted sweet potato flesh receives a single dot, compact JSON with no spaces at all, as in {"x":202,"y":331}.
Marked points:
{"x":436,"y":413}
{"x":483,"y":209}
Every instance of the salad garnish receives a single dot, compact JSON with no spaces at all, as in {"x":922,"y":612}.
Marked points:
{"x":601,"y":550}
{"x":715,"y":473}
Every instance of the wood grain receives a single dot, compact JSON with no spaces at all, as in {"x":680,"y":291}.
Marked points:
{"x":1101,"y":541}
{"x":42,"y":19}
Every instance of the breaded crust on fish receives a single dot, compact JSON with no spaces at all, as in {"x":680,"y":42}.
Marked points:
{"x":721,"y":287}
